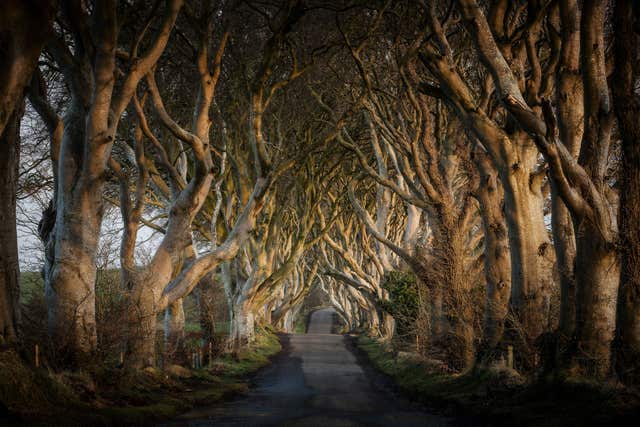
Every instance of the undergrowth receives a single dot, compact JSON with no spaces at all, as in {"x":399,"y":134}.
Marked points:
{"x":500,"y":396}
{"x":112,"y":396}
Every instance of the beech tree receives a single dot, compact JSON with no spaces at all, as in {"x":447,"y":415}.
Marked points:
{"x":486,"y":149}
{"x":19,"y":53}
{"x":515,"y":157}
{"x":627,"y":106}
{"x":85,"y":49}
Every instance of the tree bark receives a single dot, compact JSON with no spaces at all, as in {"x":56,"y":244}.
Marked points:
{"x":597,"y":273}
{"x":174,"y":333}
{"x":141,"y":336}
{"x":597,"y":261}
{"x":206,"y":308}
{"x":90,"y":128}
{"x":9,"y":266}
{"x":515,"y":158}
{"x":570,"y":108}
{"x":450,"y":253}
{"x":532,"y":255}
{"x":20,"y":48}
{"x":627,"y":107}
{"x":496,"y":256}
{"x":242,"y":328}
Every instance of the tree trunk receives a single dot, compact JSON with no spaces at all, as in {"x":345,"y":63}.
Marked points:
{"x":532,"y":255}
{"x":565,"y":245}
{"x":206,"y":308}
{"x":242,"y":325}
{"x":628,"y":320}
{"x":627,"y":107}
{"x":497,"y":261}
{"x":20,"y":47}
{"x":597,"y":273}
{"x":436,"y":313}
{"x":70,"y":285}
{"x":70,"y":271}
{"x":450,"y":249}
{"x":9,"y":267}
{"x":388,"y":326}
{"x":373,"y":319}
{"x":174,"y":333}
{"x":141,"y":338}
{"x":287,"y":321}
{"x":570,"y":110}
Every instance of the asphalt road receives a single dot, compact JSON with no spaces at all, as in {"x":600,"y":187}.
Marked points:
{"x":315,"y":381}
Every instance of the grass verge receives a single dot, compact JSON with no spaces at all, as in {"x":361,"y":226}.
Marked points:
{"x":113,"y":397}
{"x":500,"y":397}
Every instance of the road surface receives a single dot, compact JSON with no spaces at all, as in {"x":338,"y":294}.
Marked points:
{"x":315,"y":381}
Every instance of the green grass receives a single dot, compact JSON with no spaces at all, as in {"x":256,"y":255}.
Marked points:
{"x":300,"y":325}
{"x":252,"y":358}
{"x":501,"y":397}
{"x":115,"y":397}
{"x":31,"y":285}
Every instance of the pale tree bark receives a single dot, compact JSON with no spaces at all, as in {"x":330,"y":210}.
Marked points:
{"x":353,"y":265}
{"x":90,"y":127}
{"x":262,"y":92}
{"x":514,"y":155}
{"x":450,"y":216}
{"x":327,"y":284}
{"x":497,"y":261}
{"x":417,"y":135}
{"x":163,"y":281}
{"x":270,"y":260}
{"x":294,"y":297}
{"x":148,"y":282}
{"x":582,"y":184}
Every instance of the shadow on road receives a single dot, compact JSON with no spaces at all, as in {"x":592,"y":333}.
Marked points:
{"x":315,"y":381}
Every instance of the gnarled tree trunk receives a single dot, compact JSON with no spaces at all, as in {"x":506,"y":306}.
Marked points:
{"x":497,"y":261}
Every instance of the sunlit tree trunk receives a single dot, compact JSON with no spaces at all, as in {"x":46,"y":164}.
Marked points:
{"x":532,"y":255}
{"x":515,"y":158}
{"x":141,"y":334}
{"x":497,"y":259}
{"x":90,"y":127}
{"x":242,"y":326}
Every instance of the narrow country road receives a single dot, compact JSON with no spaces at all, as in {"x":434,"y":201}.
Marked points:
{"x":315,"y":381}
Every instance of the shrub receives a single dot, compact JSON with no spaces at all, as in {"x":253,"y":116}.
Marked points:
{"x":403,"y":302}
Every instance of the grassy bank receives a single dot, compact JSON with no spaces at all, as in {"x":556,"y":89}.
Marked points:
{"x":501,"y":397}
{"x":114,"y":397}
